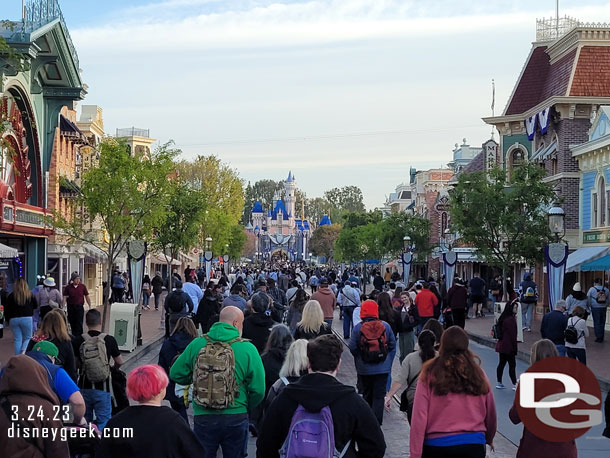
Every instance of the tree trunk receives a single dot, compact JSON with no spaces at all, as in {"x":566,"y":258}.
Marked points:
{"x":105,"y":307}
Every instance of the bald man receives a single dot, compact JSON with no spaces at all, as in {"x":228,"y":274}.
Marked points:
{"x":233,"y":316}
{"x":217,"y":425}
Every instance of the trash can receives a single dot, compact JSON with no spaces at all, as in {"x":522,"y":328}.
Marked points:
{"x":124,"y":325}
{"x":499,"y":308}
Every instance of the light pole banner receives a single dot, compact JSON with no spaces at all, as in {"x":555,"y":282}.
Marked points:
{"x":449,"y":261}
{"x":556,"y":255}
{"x":207,"y":257}
{"x":407,"y":259}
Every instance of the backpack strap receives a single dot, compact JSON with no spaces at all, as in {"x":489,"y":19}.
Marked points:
{"x":284,"y":380}
{"x":344,"y":451}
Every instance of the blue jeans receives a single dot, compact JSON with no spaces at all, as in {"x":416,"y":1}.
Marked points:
{"x":599,"y":321}
{"x":526,"y":313}
{"x":145,"y":298}
{"x":227,"y":431}
{"x":561,"y":349}
{"x":97,"y":402}
{"x":22,"y":332}
{"x":348,"y":313}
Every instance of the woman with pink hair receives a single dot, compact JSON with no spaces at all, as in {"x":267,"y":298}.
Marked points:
{"x":148,"y":429}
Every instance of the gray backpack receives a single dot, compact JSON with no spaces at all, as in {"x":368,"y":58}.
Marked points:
{"x":94,"y":358}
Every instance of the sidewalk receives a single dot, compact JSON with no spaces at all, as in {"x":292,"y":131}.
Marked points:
{"x":598,"y":354}
{"x":151,"y":333}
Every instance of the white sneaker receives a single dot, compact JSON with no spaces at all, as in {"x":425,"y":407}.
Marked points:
{"x":500,"y":386}
{"x":515,"y":388}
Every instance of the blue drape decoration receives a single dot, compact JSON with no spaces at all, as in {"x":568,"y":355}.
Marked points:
{"x":556,"y":255}
{"x":449,"y":261}
{"x":407,"y":259}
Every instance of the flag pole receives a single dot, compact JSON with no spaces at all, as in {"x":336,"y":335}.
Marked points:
{"x":493,"y":104}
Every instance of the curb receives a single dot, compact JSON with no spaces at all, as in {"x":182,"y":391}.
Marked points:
{"x":525,"y":356}
{"x":141,"y":351}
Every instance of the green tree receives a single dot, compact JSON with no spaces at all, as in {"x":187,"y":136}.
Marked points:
{"x":316,"y":208}
{"x":345,"y":199}
{"x":348,"y":245}
{"x":355,"y":219}
{"x":262,"y":191}
{"x":505,"y":219}
{"x":397,"y":225}
{"x":323,"y":239}
{"x":224,"y":198}
{"x":181,"y":224}
{"x":237,"y":242}
{"x":126,"y":193}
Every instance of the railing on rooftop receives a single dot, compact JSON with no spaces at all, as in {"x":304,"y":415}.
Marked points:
{"x":554,"y":28}
{"x":39,"y":13}
{"x":132,"y":132}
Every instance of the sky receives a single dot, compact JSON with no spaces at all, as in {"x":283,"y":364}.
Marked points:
{"x":340,"y":92}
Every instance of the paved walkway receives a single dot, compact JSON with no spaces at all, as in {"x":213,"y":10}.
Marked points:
{"x":598,"y":354}
{"x":151,"y":332}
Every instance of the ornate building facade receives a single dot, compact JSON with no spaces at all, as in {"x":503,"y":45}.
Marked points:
{"x":37,"y":80}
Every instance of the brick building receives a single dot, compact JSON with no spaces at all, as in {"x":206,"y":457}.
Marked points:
{"x":431,"y":200}
{"x":565,"y":79}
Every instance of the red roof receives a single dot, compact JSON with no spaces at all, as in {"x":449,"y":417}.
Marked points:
{"x":530,"y":86}
{"x":592,"y":75}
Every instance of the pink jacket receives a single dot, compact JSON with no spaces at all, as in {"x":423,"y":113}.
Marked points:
{"x":435,"y":416}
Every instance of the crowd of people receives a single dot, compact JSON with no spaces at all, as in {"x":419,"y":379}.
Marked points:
{"x":255,"y":354}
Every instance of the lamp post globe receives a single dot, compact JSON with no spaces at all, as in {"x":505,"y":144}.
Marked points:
{"x":556,"y":217}
{"x":406,"y":242}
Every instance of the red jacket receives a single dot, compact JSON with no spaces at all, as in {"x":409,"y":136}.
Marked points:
{"x":425,"y":301}
{"x":508,"y":344}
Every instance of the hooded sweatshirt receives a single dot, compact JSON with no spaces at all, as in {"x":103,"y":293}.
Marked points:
{"x":353,"y":419}
{"x":327,"y":301}
{"x":173,"y":346}
{"x":257,"y":328}
{"x":249,"y":371}
{"x":27,"y":382}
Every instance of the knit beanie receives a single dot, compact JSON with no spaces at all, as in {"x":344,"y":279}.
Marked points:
{"x":369,"y":309}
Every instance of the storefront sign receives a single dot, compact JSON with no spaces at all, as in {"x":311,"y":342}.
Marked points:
{"x":596,"y":237}
{"x":28,"y":217}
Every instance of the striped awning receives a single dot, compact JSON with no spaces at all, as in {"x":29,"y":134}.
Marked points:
{"x":7,"y":252}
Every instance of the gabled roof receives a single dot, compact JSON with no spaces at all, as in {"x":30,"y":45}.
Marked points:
{"x":325,"y":221}
{"x":258,"y":208}
{"x":477,"y":164}
{"x":583,"y":53}
{"x":279,"y":206}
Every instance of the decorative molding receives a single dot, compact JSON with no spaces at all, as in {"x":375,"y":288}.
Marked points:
{"x":562,"y":175}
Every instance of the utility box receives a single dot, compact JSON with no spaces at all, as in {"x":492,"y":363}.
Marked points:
{"x":499,"y":308}
{"x":124,"y":325}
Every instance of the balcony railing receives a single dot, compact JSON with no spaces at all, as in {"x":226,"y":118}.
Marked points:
{"x":39,"y":13}
{"x":132,"y":132}
{"x":553,"y":28}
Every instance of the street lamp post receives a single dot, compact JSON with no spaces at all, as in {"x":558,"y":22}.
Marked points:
{"x":556,"y":255}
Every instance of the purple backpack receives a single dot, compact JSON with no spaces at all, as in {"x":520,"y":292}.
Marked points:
{"x":311,"y":435}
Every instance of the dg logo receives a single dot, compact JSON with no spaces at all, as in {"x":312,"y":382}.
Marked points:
{"x":559,"y":399}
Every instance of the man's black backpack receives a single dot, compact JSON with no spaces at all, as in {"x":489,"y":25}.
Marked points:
{"x":571,"y":334}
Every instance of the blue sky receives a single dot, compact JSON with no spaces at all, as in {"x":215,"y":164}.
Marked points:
{"x":341,"y":92}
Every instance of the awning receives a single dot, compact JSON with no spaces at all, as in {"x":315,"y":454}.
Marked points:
{"x":94,"y":252}
{"x":70,"y":130}
{"x":6,"y":252}
{"x":600,"y":264}
{"x":544,"y":152}
{"x":585,"y":255}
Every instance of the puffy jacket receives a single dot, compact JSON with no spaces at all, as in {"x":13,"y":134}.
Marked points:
{"x":171,"y":347}
{"x":257,"y":328}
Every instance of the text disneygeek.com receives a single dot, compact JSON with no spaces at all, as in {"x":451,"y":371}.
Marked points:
{"x":68,"y":433}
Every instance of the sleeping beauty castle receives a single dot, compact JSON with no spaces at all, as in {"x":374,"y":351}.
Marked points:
{"x":280,"y":232}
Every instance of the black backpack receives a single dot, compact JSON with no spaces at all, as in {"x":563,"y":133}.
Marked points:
{"x":496,"y":331}
{"x":571,"y":334}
